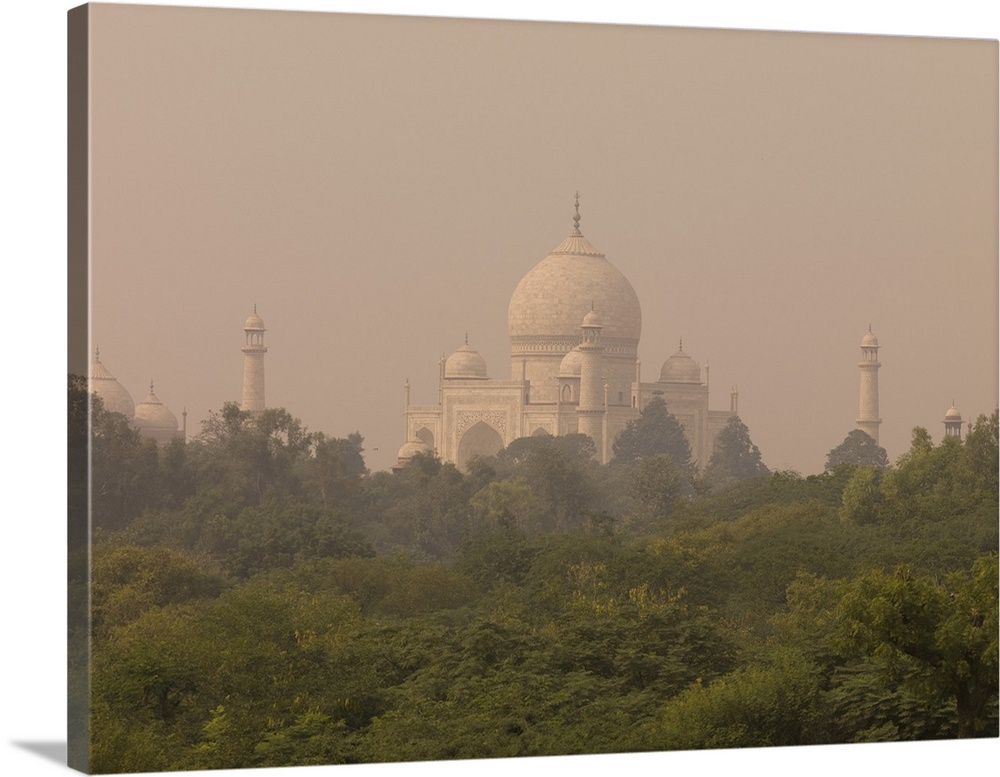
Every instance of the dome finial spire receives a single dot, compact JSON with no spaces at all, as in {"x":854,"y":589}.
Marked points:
{"x":150,"y":385}
{"x":97,"y":354}
{"x":576,"y":215}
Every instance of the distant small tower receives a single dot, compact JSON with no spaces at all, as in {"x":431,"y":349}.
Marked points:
{"x":868,"y":420}
{"x":253,"y":364}
{"x":591,"y":410}
{"x":953,"y":422}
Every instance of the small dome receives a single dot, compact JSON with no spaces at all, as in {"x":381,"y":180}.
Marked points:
{"x":255,"y":322}
{"x":952,"y":414}
{"x":409,"y":450}
{"x":869,"y":340}
{"x":465,"y":364}
{"x":680,"y":368}
{"x":570,"y":365}
{"x":154,"y":419}
{"x":113,"y":394}
{"x":412,"y":448}
{"x":592,"y":319}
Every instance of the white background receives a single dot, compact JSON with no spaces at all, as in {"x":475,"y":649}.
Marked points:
{"x":32,"y":697}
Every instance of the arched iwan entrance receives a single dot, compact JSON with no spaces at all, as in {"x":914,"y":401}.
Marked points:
{"x":480,"y":439}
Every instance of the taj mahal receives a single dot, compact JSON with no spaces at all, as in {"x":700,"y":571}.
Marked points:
{"x":574,"y":322}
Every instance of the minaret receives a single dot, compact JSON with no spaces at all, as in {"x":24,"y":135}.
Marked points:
{"x":953,"y":422}
{"x":590,"y":411}
{"x":253,"y":365}
{"x":868,"y":420}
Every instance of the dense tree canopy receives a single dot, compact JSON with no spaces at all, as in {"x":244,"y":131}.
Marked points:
{"x":258,"y":598}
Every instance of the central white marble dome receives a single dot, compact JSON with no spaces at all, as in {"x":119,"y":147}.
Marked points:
{"x":551,"y":300}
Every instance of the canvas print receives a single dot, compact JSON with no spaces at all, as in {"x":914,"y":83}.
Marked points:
{"x":460,"y":389}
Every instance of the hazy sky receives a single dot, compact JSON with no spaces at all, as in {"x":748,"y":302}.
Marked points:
{"x":378,"y":185}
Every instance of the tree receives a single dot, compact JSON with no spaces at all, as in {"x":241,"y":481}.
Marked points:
{"x":857,"y":448}
{"x":980,"y":456}
{"x":656,"y":431}
{"x":574,"y":446}
{"x":423,"y":508}
{"x":251,"y":457}
{"x":735,"y":456}
{"x":506,"y":504}
{"x":561,"y":482}
{"x":655,"y":486}
{"x":862,"y":497}
{"x":940,"y":638}
{"x":332,"y":472}
{"x":124,"y":469}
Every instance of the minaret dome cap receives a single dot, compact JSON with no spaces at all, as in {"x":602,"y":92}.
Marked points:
{"x":254,"y":321}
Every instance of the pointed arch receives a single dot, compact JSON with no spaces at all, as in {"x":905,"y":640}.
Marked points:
{"x":480,"y":439}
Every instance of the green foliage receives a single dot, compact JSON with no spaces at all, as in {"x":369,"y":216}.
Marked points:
{"x":128,"y":580}
{"x":862,"y":497}
{"x":538,"y":604}
{"x":655,"y":432}
{"x":544,"y":484}
{"x":857,"y":448}
{"x":496,"y":557}
{"x":507,"y":504}
{"x":656,"y":487}
{"x":251,"y":458}
{"x":507,"y":462}
{"x":781,"y":488}
{"x":269,"y":537}
{"x":124,"y":477}
{"x":735,"y":457}
{"x":333,"y":472}
{"x":939,"y":638}
{"x":228,"y":675}
{"x":771,"y":704}
{"x":424,"y":508}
